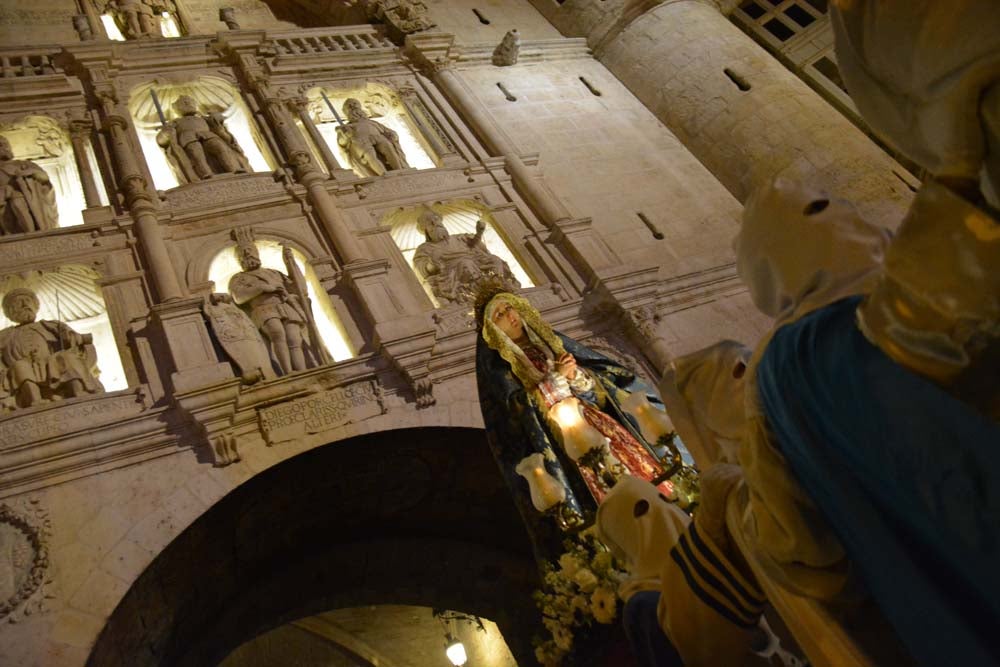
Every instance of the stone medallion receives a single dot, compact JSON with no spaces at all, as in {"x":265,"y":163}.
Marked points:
{"x":24,"y":560}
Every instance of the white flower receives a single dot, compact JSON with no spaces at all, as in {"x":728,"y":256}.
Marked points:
{"x":548,"y":654}
{"x":581,"y":604}
{"x":586,"y":580}
{"x":602,"y":562}
{"x":569,"y":565}
{"x":603,"y":605}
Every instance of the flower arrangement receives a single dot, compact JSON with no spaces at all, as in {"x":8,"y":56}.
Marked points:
{"x":576,"y":593}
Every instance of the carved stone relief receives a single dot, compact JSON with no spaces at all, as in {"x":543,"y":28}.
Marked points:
{"x":239,"y":337}
{"x":402,"y":16}
{"x":454,"y":265}
{"x":24,"y":559}
{"x":199,"y":146}
{"x":321,"y":411}
{"x":508,"y":49}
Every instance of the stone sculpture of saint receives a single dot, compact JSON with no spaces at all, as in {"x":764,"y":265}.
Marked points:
{"x":199,"y":146}
{"x":139,"y":18}
{"x":270,"y":298}
{"x":29,"y":201}
{"x":454,"y":265}
{"x":42,"y":361}
{"x":373,"y":148}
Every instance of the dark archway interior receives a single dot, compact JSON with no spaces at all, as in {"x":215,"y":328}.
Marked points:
{"x":417,"y":516}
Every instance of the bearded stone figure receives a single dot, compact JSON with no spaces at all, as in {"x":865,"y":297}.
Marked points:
{"x":454,"y":265}
{"x":42,"y":361}
{"x":199,"y":146}
{"x":277,"y":309}
{"x":29,"y":201}
{"x":372,"y":147}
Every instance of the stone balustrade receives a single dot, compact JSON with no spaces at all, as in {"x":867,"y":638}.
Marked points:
{"x":33,"y":62}
{"x":328,"y":40}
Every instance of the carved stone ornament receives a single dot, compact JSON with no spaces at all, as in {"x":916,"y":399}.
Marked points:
{"x":372,"y":147}
{"x":199,"y":146}
{"x":138,"y":19}
{"x":24,"y":559}
{"x":278,"y":305}
{"x":239,"y":337}
{"x":42,"y":361}
{"x":27,"y":198}
{"x":508,"y":49}
{"x":404,"y":16}
{"x":454,"y":265}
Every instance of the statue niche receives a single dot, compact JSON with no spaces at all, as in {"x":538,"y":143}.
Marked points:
{"x":279,"y":307}
{"x":29,"y":200}
{"x":454,"y":265}
{"x":198,"y":146}
{"x":137,"y":19}
{"x":372,"y":147}
{"x":42,"y":361}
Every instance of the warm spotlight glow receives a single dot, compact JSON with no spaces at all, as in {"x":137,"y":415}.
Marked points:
{"x":226,"y":265}
{"x":456,"y":653}
{"x":111,"y":28}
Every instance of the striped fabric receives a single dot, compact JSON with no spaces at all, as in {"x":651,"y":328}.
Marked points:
{"x":707,"y":608}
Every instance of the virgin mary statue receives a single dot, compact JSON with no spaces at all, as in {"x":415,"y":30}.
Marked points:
{"x":556,"y":418}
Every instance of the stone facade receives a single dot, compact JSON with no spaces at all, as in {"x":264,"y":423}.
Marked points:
{"x":616,"y":200}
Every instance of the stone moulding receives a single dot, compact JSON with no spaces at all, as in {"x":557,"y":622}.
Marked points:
{"x":55,"y":243}
{"x":220,"y":191}
{"x":26,"y":561}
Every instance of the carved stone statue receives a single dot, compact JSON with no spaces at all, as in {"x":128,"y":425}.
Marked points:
{"x":454,"y":265}
{"x":29,"y":202}
{"x":139,"y":18}
{"x":508,"y":49}
{"x":42,"y":361}
{"x":372,"y":146}
{"x":199,"y":146}
{"x":277,"y":307}
{"x":404,"y":16}
{"x":239,"y":337}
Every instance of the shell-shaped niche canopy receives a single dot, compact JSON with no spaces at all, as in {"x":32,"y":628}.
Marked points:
{"x":213,"y":95}
{"x":45,"y":142}
{"x":382,"y":105}
{"x":70,"y":294}
{"x":459,"y":217}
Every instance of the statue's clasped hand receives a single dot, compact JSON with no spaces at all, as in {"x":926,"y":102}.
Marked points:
{"x":566,"y":366}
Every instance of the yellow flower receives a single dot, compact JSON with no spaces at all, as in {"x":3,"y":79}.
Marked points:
{"x":569,"y":564}
{"x":603,"y":604}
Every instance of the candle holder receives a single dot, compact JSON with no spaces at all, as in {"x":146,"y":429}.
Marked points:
{"x":546,"y":491}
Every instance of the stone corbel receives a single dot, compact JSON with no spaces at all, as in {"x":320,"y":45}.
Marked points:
{"x":408,"y":344}
{"x":210,"y":410}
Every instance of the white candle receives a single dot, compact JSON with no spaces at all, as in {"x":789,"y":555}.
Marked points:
{"x":546,"y":491}
{"x":653,"y":423}
{"x":578,"y":436}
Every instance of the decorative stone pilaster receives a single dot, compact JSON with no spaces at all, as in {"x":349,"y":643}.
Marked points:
{"x":79,"y":133}
{"x":139,"y":199}
{"x":300,"y":105}
{"x":195,"y":361}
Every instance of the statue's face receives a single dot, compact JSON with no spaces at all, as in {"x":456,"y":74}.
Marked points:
{"x":249,"y":261}
{"x":186,"y":105}
{"x":20,"y":308}
{"x":6,"y":152}
{"x":354,"y":111}
{"x":508,"y":320}
{"x":437,"y":232}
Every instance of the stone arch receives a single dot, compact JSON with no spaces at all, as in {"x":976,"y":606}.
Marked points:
{"x":210,"y":246}
{"x":419,"y":517}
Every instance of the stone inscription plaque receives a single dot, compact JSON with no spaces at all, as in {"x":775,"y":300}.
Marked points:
{"x":321,"y":412}
{"x":223,"y":190}
{"x":63,"y":419}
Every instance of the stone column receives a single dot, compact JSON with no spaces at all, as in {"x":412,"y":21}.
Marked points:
{"x":140,"y":202}
{"x":682,"y":59}
{"x":306,"y":173}
{"x":79,"y":132}
{"x":301,"y":107}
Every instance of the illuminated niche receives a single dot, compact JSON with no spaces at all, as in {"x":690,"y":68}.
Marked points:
{"x":213,"y":95}
{"x":41,"y":140}
{"x":70,"y":294}
{"x":382,"y":105}
{"x":226,"y":264}
{"x":459,"y":217}
{"x":169,"y":26}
